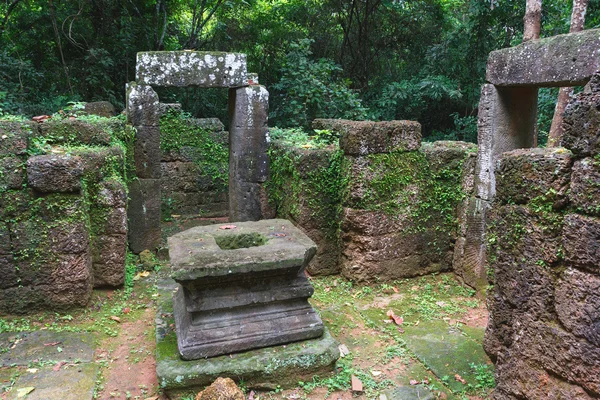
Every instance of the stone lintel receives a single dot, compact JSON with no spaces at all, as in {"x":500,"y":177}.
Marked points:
{"x":562,"y":60}
{"x":191,"y":68}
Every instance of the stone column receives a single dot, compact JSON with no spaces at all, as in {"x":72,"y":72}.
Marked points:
{"x":143,"y":112}
{"x":248,"y":159}
{"x":507,"y":120}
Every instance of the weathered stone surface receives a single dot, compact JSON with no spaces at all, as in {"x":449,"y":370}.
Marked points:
{"x":435,"y":343}
{"x":100,"y":161}
{"x":22,"y":299}
{"x":523,"y":248}
{"x":108,"y":255}
{"x":191,"y":68}
{"x":69,"y":237}
{"x":506,"y":121}
{"x":12,"y":173}
{"x":14,"y":203}
{"x":110,"y":220}
{"x":14,"y":137}
{"x":244,"y":201}
{"x":250,"y":276}
{"x":585,"y":186}
{"x":221,"y":389}
{"x":562,"y":60}
{"x":523,"y":379}
{"x":207,"y":204}
{"x":28,"y":347}
{"x":147,"y":152}
{"x":8,"y":271}
{"x":71,"y":383}
{"x":581,"y":124}
{"x":100,"y":108}
{"x":469,"y":258}
{"x":75,"y":131}
{"x":368,"y":137}
{"x":499,"y":332}
{"x":55,"y":173}
{"x":268,"y":368}
{"x":112,"y":193}
{"x":581,"y":237}
{"x":578,"y":304}
{"x":143,"y":107}
{"x":526,"y":174}
{"x":408,"y":393}
{"x":445,"y":155}
{"x":143,"y":212}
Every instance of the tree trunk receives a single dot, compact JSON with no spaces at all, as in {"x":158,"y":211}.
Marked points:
{"x":556,"y":129}
{"x":533,"y":20}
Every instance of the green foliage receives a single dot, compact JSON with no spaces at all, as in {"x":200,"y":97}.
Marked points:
{"x":178,"y":132}
{"x":313,"y":89}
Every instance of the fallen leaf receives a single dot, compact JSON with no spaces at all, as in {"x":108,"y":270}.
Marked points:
{"x":327,"y":289}
{"x":126,"y":310}
{"x":227,"y":227}
{"x":279,"y":234}
{"x":460,"y":379}
{"x":151,"y":398}
{"x":22,"y":392}
{"x":58,"y":366}
{"x":32,"y":370}
{"x":41,"y":118}
{"x":376,"y":373}
{"x":395,"y":289}
{"x":441,"y":303}
{"x":115,"y":318}
{"x":425,"y":381}
{"x":251,"y":395}
{"x":443,"y":396}
{"x":52,"y":343}
{"x":398,"y":320}
{"x":59,"y":349}
{"x":414,"y":382}
{"x":175,"y":215}
{"x":343,"y":350}
{"x":357,"y":385}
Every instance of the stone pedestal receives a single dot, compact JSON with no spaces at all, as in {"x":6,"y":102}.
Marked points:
{"x":241,"y":287}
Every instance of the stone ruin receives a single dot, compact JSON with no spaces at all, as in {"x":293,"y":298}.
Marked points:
{"x":539,"y":211}
{"x":248,"y":111}
{"x":241,"y":288}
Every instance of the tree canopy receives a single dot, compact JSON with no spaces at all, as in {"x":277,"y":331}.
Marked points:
{"x":376,"y":59}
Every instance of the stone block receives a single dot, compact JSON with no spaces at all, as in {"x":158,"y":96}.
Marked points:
{"x":147,"y":153}
{"x":578,"y":304}
{"x":100,"y":108}
{"x":526,"y":174}
{"x":581,"y":124}
{"x":5,"y":247}
{"x":143,"y":107}
{"x":100,"y":162}
{"x":244,"y":201}
{"x":585,"y":186}
{"x":370,"y":223}
{"x":22,"y":299}
{"x":581,"y":240}
{"x":14,"y":137}
{"x":499,"y":332}
{"x":191,"y":68}
{"x":278,"y":366}
{"x":71,"y":278}
{"x":178,"y":176}
{"x":359,"y":138}
{"x":524,"y":379}
{"x":524,"y":247}
{"x":248,"y":107}
{"x":560,"y":353}
{"x":143,"y":214}
{"x":446,"y":158}
{"x":112,"y":193}
{"x":109,"y":220}
{"x":469,"y":258}
{"x":562,"y":60}
{"x":55,"y":173}
{"x":507,"y":117}
{"x":75,"y":131}
{"x":12,"y":173}
{"x":15,"y":203}
{"x":108,"y":255}
{"x":8,"y":272}
{"x":69,"y":237}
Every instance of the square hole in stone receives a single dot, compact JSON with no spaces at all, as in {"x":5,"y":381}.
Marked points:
{"x":240,"y":240}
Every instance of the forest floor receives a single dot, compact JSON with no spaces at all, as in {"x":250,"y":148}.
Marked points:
{"x":405,"y":339}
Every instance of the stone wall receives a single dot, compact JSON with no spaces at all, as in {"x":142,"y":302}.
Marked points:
{"x":544,"y":251}
{"x":381,"y":206}
{"x":194,"y":166}
{"x":62,"y":211}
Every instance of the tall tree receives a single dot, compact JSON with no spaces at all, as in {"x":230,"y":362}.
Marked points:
{"x":556,"y":130}
{"x":532,"y":20}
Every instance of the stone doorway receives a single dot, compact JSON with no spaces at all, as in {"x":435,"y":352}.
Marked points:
{"x":248,"y":110}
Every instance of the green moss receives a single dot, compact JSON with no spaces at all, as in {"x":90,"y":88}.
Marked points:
{"x":178,"y":131}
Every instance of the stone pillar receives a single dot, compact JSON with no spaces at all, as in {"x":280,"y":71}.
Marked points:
{"x":248,"y":159}
{"x":507,"y":120}
{"x":143,"y":112}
